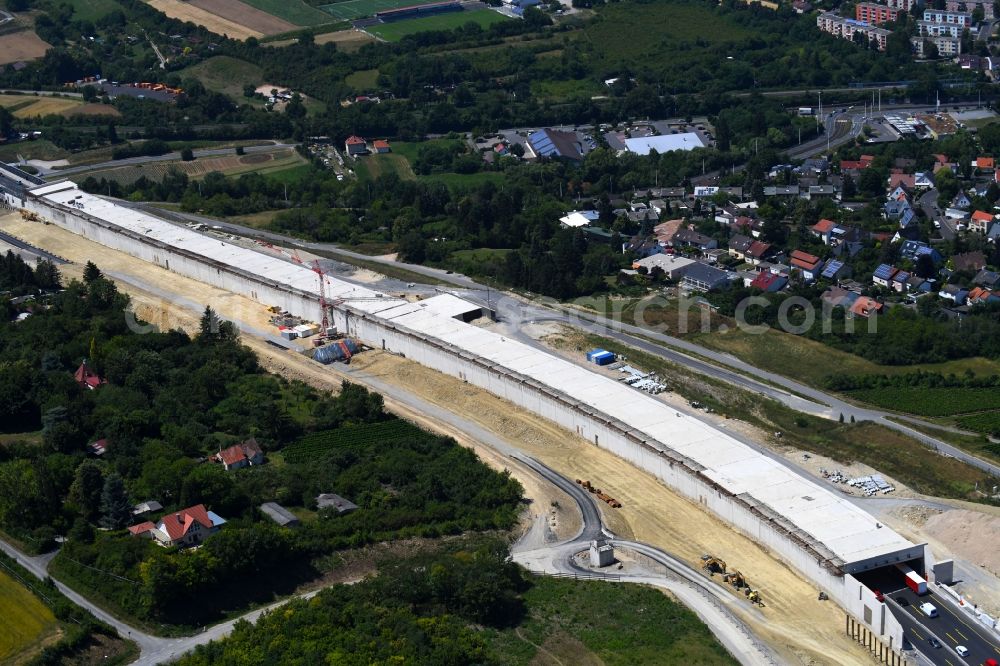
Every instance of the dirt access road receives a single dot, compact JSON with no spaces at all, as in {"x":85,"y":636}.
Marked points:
{"x":801,"y":629}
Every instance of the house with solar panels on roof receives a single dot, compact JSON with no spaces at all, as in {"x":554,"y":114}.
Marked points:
{"x":556,"y":144}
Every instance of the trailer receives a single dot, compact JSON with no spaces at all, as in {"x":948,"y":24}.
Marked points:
{"x":914,"y":581}
{"x":806,"y":111}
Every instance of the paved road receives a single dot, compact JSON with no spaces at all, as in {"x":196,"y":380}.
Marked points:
{"x":712,"y":602}
{"x":149,"y":159}
{"x":31,"y":249}
{"x":517,"y":310}
{"x":951,"y":628}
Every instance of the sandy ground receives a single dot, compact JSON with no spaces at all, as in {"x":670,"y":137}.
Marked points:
{"x":18,"y":46}
{"x":347,"y":41}
{"x":183,"y":11}
{"x":802,"y":629}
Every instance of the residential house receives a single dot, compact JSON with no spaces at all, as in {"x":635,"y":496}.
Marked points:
{"x":660,"y":206}
{"x":912,"y":250}
{"x":279,"y":514}
{"x":739,"y":244}
{"x":691,"y":238}
{"x":984,"y":163}
{"x":781,"y":191}
{"x":980,"y":296}
{"x":672,"y":265}
{"x":954,"y":293}
{"x":853,"y":167}
{"x":579,"y":218}
{"x":187,"y":527}
{"x":900,"y":282}
{"x":980,"y":221}
{"x":355,"y":145}
{"x":642,"y":247}
{"x":334,"y":503}
{"x":714,"y":255}
{"x":835,"y":270}
{"x":863,"y":306}
{"x":702,"y":277}
{"x":665,"y":231}
{"x":381,"y":146}
{"x":807,"y":265}
{"x":894,"y":208}
{"x":839,"y":297}
{"x":993,"y":235}
{"x":923,"y":180}
{"x":883,"y":275}
{"x":672,"y":192}
{"x":769,"y":282}
{"x":643,"y":216}
{"x":821,"y":192}
{"x":240,"y":455}
{"x":961,"y":200}
{"x":87,"y":378}
{"x":823,"y":230}
{"x":758,"y":251}
{"x":919,"y":285}
{"x":150,"y":506}
{"x":98,"y":447}
{"x":902,"y":181}
{"x":987,"y":278}
{"x":969,"y":261}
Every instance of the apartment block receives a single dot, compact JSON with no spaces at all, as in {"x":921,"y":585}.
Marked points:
{"x":847,"y":28}
{"x":875,"y":14}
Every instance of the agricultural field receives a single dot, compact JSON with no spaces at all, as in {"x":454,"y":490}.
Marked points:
{"x":245,"y":15}
{"x":28,"y":624}
{"x":293,"y":11}
{"x":987,"y":423}
{"x":373,"y":167}
{"x":39,"y":149}
{"x":92,"y":109}
{"x":924,"y":401}
{"x":352,"y":9}
{"x":30,"y":106}
{"x":185,"y":11}
{"x":230,"y":165}
{"x":18,"y":46}
{"x":347,"y":41}
{"x":318,"y":445}
{"x":225,"y":74}
{"x":397,"y":30}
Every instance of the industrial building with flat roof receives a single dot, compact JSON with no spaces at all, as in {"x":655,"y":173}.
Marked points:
{"x":643,"y":145}
{"x":812,"y":528}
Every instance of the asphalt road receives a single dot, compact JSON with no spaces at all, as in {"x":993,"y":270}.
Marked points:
{"x":952,"y":628}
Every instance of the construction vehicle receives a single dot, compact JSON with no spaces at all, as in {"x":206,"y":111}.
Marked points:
{"x":713,"y":564}
{"x":736,"y":579}
{"x":586,"y":485}
{"x":754,"y":597}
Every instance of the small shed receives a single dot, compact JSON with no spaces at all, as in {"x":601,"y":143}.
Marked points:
{"x":150,"y":506}
{"x":331,"y":501}
{"x":279,"y":514}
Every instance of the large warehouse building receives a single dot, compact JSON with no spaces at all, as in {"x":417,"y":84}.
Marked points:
{"x":821,"y":534}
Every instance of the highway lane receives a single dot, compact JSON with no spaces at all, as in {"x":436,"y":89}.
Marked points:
{"x":952,"y":627}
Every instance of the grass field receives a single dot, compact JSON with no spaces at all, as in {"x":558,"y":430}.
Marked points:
{"x":593,"y":622}
{"x":924,"y":401}
{"x":27,"y":622}
{"x":364,"y":79}
{"x":91,"y":10}
{"x":225,"y":74}
{"x":352,"y":9}
{"x":39,"y":149}
{"x":397,"y":30}
{"x":293,"y":11}
{"x":282,"y":165}
{"x":372,"y":167}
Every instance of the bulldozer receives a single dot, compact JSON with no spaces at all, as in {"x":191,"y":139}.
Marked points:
{"x":713,"y":565}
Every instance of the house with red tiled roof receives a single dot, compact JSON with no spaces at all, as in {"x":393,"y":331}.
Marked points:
{"x":980,"y":295}
{"x":382,"y":146}
{"x":864,"y":306}
{"x":856,"y":165}
{"x":240,"y":455}
{"x":980,"y":222}
{"x":905,"y":180}
{"x":985,"y":163}
{"x":807,"y":265}
{"x":87,"y":378}
{"x":187,"y":527}
{"x":823,"y":230}
{"x":355,"y":145}
{"x":758,"y":251}
{"x":665,"y":232}
{"x":769,"y":282}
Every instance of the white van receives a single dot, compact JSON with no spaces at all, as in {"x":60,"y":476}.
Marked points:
{"x":929,"y":610}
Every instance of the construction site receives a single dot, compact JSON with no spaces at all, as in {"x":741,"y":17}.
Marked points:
{"x":665,"y":477}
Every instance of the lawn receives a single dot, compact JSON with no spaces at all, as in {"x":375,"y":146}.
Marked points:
{"x":372,"y":167}
{"x":256,"y":220}
{"x":225,"y":74}
{"x":39,"y":149}
{"x":352,"y":9}
{"x":293,"y":11}
{"x":364,"y":79}
{"x":595,"y":622}
{"x":28,"y":623}
{"x":91,"y":10}
{"x":397,"y":30}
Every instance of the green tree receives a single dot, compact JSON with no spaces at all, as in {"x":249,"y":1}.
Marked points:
{"x":87,"y":489}
{"x":91,"y":272}
{"x":187,"y":155}
{"x":116,"y":510}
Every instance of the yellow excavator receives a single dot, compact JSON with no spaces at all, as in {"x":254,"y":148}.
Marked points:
{"x":736,"y":579}
{"x":753,"y":596}
{"x":714,"y":565}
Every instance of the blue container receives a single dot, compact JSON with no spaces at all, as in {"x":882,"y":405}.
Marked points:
{"x":595,"y":352}
{"x":604,"y":358}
